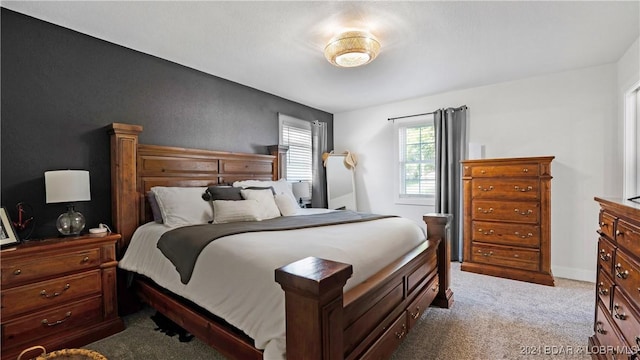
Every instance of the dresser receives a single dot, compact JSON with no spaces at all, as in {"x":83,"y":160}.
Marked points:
{"x":617,"y":301}
{"x":58,"y":293}
{"x":507,"y":218}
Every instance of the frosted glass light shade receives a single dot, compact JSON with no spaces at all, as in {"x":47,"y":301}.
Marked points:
{"x":352,"y":48}
{"x":67,"y":186}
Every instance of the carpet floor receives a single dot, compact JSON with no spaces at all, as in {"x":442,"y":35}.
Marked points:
{"x":491,"y":318}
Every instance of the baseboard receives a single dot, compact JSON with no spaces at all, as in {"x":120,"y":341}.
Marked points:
{"x":574,"y":274}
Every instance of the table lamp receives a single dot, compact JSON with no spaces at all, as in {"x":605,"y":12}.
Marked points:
{"x":68,"y":186}
{"x":301,"y":190}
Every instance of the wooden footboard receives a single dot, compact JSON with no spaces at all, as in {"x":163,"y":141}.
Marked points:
{"x":370,"y":320}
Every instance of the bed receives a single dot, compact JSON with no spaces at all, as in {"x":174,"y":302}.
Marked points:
{"x":329,"y":312}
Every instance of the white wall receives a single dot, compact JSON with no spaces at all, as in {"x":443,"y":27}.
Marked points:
{"x":570,"y":115}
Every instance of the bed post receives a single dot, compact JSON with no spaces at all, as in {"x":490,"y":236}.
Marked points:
{"x":439,"y":226}
{"x":314,"y":307}
{"x":124,"y":195}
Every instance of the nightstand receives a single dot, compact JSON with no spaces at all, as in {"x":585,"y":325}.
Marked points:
{"x":59,"y":293}
{"x":304,"y":203}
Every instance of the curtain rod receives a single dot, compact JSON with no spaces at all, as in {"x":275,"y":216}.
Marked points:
{"x":429,"y":113}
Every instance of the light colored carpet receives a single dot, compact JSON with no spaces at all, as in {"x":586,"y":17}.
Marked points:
{"x":491,"y":318}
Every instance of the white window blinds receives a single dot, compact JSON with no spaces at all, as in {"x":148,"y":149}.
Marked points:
{"x":296,"y":134}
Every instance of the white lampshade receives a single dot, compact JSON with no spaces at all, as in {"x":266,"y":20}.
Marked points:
{"x":301,"y":189}
{"x":67,"y":186}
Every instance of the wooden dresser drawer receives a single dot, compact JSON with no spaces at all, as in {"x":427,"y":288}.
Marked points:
{"x":515,"y":189}
{"x":605,"y":331}
{"x":392,"y":337}
{"x":506,"y":234}
{"x":520,"y":258}
{"x":422,"y":302}
{"x":49,"y":293}
{"x":523,"y":169}
{"x":20,"y":270}
{"x":607,"y":223}
{"x":628,"y":236}
{"x":604,"y":288}
{"x":627,"y":275}
{"x":52,"y":322}
{"x":606,"y":253}
{"x":510,"y":211}
{"x":625,"y":317}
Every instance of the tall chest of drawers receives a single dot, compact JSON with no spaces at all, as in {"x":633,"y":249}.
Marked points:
{"x":507,"y":218}
{"x":617,"y":302}
{"x":58,"y":293}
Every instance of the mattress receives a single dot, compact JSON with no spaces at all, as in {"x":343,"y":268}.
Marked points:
{"x":233,"y":277}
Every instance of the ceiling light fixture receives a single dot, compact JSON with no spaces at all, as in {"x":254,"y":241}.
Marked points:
{"x":352,"y":48}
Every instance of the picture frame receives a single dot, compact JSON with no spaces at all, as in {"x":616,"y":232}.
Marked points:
{"x":8,"y":236}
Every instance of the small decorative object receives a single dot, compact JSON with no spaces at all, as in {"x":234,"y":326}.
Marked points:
{"x":8,"y":235}
{"x":68,"y":186}
{"x":352,"y":48}
{"x":26,"y":223}
{"x":302,"y":191}
{"x":67,"y":354}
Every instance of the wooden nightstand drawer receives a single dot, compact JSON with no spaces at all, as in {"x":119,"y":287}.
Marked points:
{"x":17,"y":271}
{"x":49,"y":293}
{"x":506,"y":211}
{"x":515,"y":189}
{"x":520,"y":258}
{"x":506,"y":234}
{"x":524,"y":169}
{"x":52,"y":322}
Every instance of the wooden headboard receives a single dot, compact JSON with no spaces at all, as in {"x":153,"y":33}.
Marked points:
{"x":135,"y":168}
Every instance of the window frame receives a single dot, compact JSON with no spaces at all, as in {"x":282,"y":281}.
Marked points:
{"x":399,"y":198}
{"x":290,"y":121}
{"x":631,"y":141}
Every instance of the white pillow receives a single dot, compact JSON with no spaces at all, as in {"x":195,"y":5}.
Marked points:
{"x":226,"y":211}
{"x":181,"y":206}
{"x":281,"y":187}
{"x":266,"y":202}
{"x":285,"y":206}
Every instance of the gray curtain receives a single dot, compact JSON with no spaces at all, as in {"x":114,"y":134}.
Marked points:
{"x":319,"y":182}
{"x":450,"y":129}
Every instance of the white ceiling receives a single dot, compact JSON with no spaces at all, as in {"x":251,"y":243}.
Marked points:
{"x":427,"y":47}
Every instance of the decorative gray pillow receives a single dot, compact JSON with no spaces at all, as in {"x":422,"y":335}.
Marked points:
{"x":155,"y":209}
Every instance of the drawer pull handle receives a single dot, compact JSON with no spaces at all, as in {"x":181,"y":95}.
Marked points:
{"x":525,"y":170}
{"x":517,"y":233}
{"x":601,"y":290}
{"x":485,"y":211}
{"x":44,"y":294}
{"x":485,"y":189}
{"x":604,"y":224}
{"x":523,"y":213}
{"x":417,"y":314}
{"x":600,"y":329}
{"x":399,"y":335}
{"x":621,"y":274}
{"x":85,"y":259}
{"x":488,"y":254}
{"x":604,"y":256}
{"x":616,"y":314}
{"x":619,"y":233}
{"x":57,"y":322}
{"x":483,"y":171}
{"x":436,"y":287}
{"x":516,"y":255}
{"x":518,"y":188}
{"x":490,"y":232}
{"x":17,"y":272}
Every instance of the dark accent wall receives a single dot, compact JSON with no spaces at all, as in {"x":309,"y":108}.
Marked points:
{"x":61,"y":88}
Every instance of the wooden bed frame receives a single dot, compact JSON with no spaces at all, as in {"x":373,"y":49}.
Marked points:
{"x":323,"y":321}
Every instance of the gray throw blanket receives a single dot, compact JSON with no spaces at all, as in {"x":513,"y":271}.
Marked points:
{"x":183,"y":245}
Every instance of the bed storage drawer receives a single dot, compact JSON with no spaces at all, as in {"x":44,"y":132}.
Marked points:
{"x":422,"y":302}
{"x":389,"y":341}
{"x":50,"y":293}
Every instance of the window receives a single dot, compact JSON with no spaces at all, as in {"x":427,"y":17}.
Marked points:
{"x":296,"y":134}
{"x":416,"y":168}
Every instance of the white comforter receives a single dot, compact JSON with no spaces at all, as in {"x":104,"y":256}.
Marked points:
{"x":234,"y":276}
